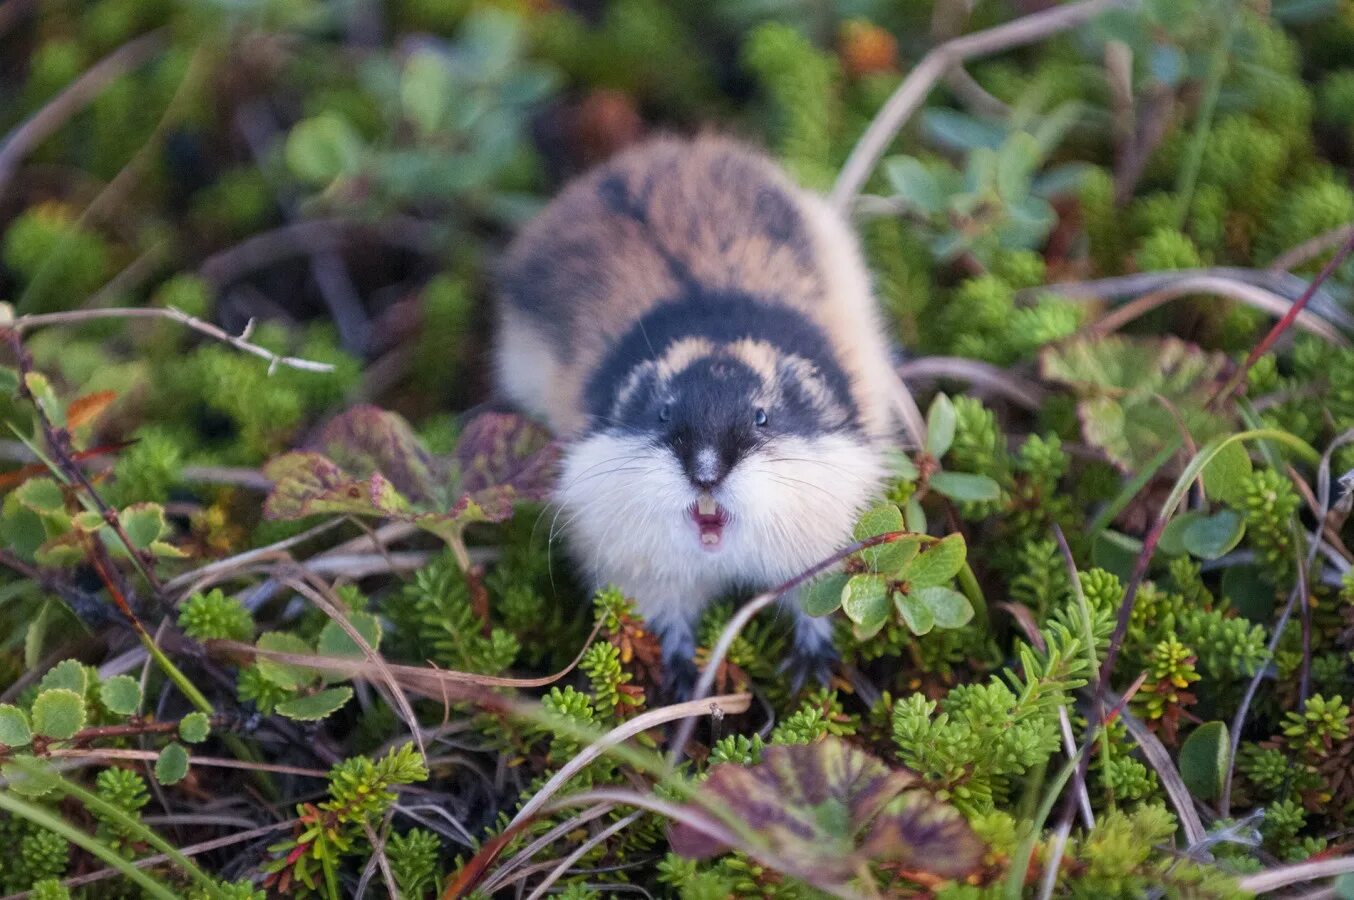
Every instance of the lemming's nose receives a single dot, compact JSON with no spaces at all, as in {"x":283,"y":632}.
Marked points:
{"x":705,"y":469}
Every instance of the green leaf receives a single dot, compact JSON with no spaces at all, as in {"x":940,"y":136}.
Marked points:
{"x":915,"y":184}
{"x":1136,"y":393}
{"x":937,"y":563}
{"x":1211,"y":537}
{"x":14,"y":728}
{"x":42,"y":496}
{"x":901,"y":466}
{"x":940,"y":424}
{"x":30,"y":776}
{"x":884,"y":519}
{"x":1203,"y":760}
{"x":282,"y":674}
{"x":865,"y":600}
{"x":144,"y":523}
{"x":425,"y":88}
{"x":965,"y":487}
{"x":914,"y":515}
{"x":1172,"y":540}
{"x":949,"y":608}
{"x":194,"y":727}
{"x":46,"y":398}
{"x":88,"y":521}
{"x":120,"y":694}
{"x":826,"y":810}
{"x":323,"y":148}
{"x":916,"y":615}
{"x":823,"y":596}
{"x":58,"y":713}
{"x":9,"y":376}
{"x":69,"y":674}
{"x":314,"y":707}
{"x":1225,"y":475}
{"x":334,"y":641}
{"x":172,"y":764}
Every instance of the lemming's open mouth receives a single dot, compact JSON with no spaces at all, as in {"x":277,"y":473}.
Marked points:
{"x":710,"y":519}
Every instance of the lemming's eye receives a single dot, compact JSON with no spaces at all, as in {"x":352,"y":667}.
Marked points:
{"x":759,"y":417}
{"x":665,"y":412}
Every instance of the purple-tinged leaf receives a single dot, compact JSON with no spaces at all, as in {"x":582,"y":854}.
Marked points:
{"x":306,"y":484}
{"x":366,"y":440}
{"x":819,"y":811}
{"x":505,"y":450}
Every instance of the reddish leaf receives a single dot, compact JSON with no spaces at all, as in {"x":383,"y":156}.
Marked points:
{"x":366,"y":440}
{"x":86,"y":409}
{"x":819,"y":811}
{"x":505,"y":450}
{"x":306,"y":484}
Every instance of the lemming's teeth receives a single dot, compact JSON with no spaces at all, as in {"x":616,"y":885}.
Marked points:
{"x":709,"y":537}
{"x":705,"y":504}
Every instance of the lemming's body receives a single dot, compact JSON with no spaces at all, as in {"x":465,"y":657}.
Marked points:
{"x":701,"y":333}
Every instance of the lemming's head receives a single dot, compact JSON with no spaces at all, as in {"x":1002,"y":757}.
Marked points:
{"x":739,"y":435}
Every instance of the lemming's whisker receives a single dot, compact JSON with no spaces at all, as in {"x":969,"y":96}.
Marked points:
{"x":827,"y":464}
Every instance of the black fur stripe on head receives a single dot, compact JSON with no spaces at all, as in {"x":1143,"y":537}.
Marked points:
{"x":721,"y":318}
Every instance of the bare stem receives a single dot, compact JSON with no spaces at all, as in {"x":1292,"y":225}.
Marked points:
{"x":74,"y":97}
{"x":239,"y":342}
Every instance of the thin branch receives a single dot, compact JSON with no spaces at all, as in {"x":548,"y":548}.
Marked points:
{"x":1312,"y":248}
{"x":910,"y":95}
{"x":1123,"y":287}
{"x":1022,"y":391}
{"x":1253,"y":296}
{"x":1283,"y":876}
{"x":1282,"y":325}
{"x":600,"y":837}
{"x":239,"y":342}
{"x":103,"y":754}
{"x":74,"y":97}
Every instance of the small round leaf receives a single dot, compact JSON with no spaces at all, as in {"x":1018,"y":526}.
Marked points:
{"x":965,"y":487}
{"x":29,"y":776}
{"x":866,"y":600}
{"x":69,"y":674}
{"x":1225,"y":475}
{"x":335,"y":641}
{"x":172,"y":764}
{"x":1203,"y":760}
{"x":41,"y":495}
{"x":194,"y":727}
{"x":824,"y":596}
{"x":1214,"y":536}
{"x":916,"y":615}
{"x":316,"y":706}
{"x":282,"y":674}
{"x":144,"y":523}
{"x":937,"y":563}
{"x":948,"y":607}
{"x":322,"y":148}
{"x":120,"y":694}
{"x":14,"y":729}
{"x":940,"y":425}
{"x":58,"y":713}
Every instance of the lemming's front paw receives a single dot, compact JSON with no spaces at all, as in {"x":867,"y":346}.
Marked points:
{"x":812,"y":663}
{"x":679,"y":678}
